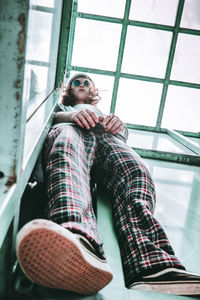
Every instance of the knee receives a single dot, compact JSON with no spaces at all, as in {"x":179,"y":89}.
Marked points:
{"x":66,"y":139}
{"x":134,"y":168}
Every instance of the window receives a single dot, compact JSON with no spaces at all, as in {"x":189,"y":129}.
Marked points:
{"x":150,"y":49}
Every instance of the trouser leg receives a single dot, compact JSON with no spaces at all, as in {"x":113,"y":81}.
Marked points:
{"x":143,"y":243}
{"x":69,"y":153}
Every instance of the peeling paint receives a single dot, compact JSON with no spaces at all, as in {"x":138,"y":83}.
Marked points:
{"x":22,"y":34}
{"x":17,"y":83}
{"x":20,"y":62}
{"x":17,"y":96}
{"x":11,"y":179}
{"x":21,"y":41}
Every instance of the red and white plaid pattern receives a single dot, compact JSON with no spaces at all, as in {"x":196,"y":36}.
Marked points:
{"x":73,"y":155}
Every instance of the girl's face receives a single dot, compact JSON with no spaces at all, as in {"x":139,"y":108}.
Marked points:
{"x":81,"y":90}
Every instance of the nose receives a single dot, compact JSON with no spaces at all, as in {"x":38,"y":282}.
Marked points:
{"x":82,"y":84}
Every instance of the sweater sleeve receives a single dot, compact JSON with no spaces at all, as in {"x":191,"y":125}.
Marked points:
{"x":61,"y":107}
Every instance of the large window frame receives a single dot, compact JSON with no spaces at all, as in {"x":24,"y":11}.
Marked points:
{"x":183,"y":137}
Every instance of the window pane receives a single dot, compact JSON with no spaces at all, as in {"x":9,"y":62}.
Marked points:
{"x":146,"y":51}
{"x":186,"y":64}
{"x":138,"y":101}
{"x":155,"y":141}
{"x":96,"y":44}
{"x":191,"y":14}
{"x":103,"y":7}
{"x":41,"y":55}
{"x":46,"y":3}
{"x":35,"y":126}
{"x":195,"y":140}
{"x":174,"y":189}
{"x":39,"y":35}
{"x":182,"y":109}
{"x":33,"y":130}
{"x":140,"y":139}
{"x":166,"y":143}
{"x":105,"y":86}
{"x":177,"y":187}
{"x":154,"y":11}
{"x":35,"y":85}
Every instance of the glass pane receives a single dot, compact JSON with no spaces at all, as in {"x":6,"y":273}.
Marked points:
{"x":182,"y":109}
{"x":103,"y":7}
{"x":35,"y":85}
{"x":191,"y":14}
{"x":41,"y":55}
{"x":140,"y":139}
{"x":33,"y":130}
{"x":166,"y":143}
{"x":179,"y":188}
{"x":155,"y":141}
{"x":105,"y":86}
{"x":186,"y":64}
{"x":138,"y":101}
{"x":39,"y":35}
{"x":196,"y":141}
{"x":35,"y":126}
{"x":173,"y":190}
{"x":146,"y":51}
{"x":96,"y":44}
{"x":46,"y":3}
{"x":154,"y":11}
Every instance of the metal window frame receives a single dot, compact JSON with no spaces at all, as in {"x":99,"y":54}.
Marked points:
{"x":177,"y":135}
{"x":16,"y":173}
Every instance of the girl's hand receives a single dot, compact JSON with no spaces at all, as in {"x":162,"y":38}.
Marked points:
{"x":85,"y":118}
{"x":113,"y":124}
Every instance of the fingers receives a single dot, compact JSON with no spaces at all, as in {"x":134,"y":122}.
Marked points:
{"x":93,"y":116}
{"x":86,"y":118}
{"x":113,"y":124}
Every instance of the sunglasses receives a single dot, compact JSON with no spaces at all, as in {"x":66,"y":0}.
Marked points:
{"x":78,"y":82}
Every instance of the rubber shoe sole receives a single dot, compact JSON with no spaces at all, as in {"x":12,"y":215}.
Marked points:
{"x":170,"y":281}
{"x":51,"y":256}
{"x":175,"y":288}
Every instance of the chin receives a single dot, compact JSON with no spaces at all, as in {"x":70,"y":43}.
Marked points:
{"x":87,"y":101}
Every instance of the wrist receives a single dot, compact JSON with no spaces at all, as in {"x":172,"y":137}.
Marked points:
{"x":72,"y":116}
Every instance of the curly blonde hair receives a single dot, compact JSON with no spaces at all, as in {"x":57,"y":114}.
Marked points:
{"x":67,"y":97}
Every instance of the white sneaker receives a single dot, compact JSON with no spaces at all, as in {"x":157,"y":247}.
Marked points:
{"x":52,"y":256}
{"x":170,"y":281}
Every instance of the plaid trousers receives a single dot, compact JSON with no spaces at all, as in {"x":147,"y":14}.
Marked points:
{"x":72,"y":154}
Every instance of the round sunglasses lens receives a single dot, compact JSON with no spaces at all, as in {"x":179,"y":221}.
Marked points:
{"x":86,"y":83}
{"x":76,"y":82}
